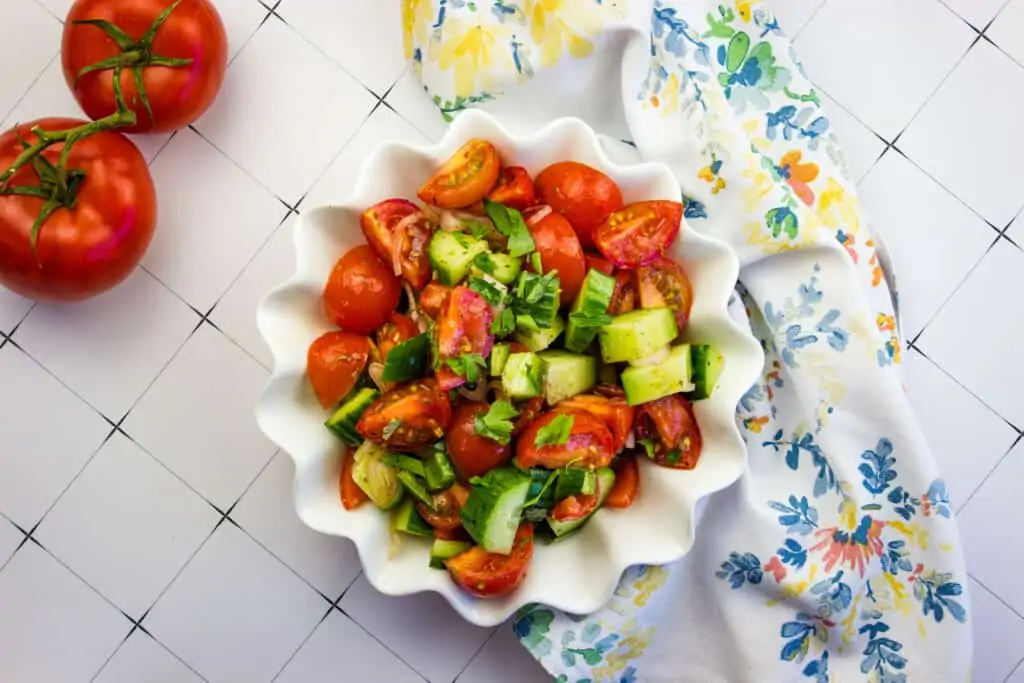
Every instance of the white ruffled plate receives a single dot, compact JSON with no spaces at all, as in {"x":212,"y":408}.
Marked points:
{"x":577,"y":575}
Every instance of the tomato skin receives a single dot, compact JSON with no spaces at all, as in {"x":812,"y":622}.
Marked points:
{"x":639,"y":233}
{"x":177,"y":95}
{"x":489,"y":575}
{"x":334,"y":362}
{"x":584,"y":195}
{"x":669,"y":423}
{"x":664,"y":283}
{"x":627,"y":482}
{"x":361,"y":293}
{"x":590,"y":443}
{"x":91,"y":247}
{"x":625,"y":297}
{"x":560,"y":250}
{"x":464,"y":326}
{"x":447,"y":506}
{"x":473,"y":455}
{"x":433,"y":298}
{"x":514,"y":189}
{"x":399,"y":328}
{"x":465,"y":178}
{"x":351,"y":495}
{"x":421,"y":407}
{"x":616,"y":413}
{"x":600,"y":264}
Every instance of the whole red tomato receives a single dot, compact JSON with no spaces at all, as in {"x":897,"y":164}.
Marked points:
{"x":177,"y":94}
{"x":361,"y":293}
{"x":582,"y":194}
{"x":560,"y":250}
{"x":97,"y":242}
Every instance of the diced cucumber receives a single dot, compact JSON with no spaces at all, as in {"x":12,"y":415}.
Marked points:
{"x":575,"y":481}
{"x":416,"y":487}
{"x":407,"y":521}
{"x":499,"y":356}
{"x":502,"y":267}
{"x":445,"y":550}
{"x":542,"y":490}
{"x":523,"y":375}
{"x":605,"y":482}
{"x":706,"y":365}
{"x":439,"y":471}
{"x":407,"y":361}
{"x":343,"y":423}
{"x":378,"y":480}
{"x":567,"y":374}
{"x":591,"y":305}
{"x":637,"y":334}
{"x":452,"y":254}
{"x":651,"y":382}
{"x":537,"y":338}
{"x":406,"y":463}
{"x":494,"y":508}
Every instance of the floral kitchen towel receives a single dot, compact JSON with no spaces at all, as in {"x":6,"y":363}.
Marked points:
{"x":836,"y":556}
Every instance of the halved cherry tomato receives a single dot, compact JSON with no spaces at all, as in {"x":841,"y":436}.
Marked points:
{"x":670,"y":427}
{"x":584,"y":195}
{"x":599,"y":263}
{"x":627,"y":482}
{"x":615,"y":412}
{"x":433,"y":298}
{"x":400,"y":234}
{"x":465,"y":178}
{"x":420,"y":410}
{"x":590,"y":443}
{"x":361,"y":293}
{"x":333,"y":364}
{"x":664,"y":283}
{"x":487,"y":574}
{"x":529,"y":411}
{"x":351,"y":495}
{"x":514,"y":189}
{"x":378,"y":224}
{"x":473,"y":455}
{"x":399,"y":328}
{"x":575,"y":507}
{"x":463,"y":327}
{"x":639,"y":233}
{"x":447,"y":506}
{"x":560,"y":250}
{"x":624,"y":298}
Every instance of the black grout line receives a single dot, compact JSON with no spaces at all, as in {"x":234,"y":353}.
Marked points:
{"x":995,"y":595}
{"x":494,"y":633}
{"x":374,"y":636}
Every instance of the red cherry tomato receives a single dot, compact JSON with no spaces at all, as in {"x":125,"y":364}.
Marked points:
{"x":590,"y":443}
{"x":400,"y":234}
{"x":465,"y":178}
{"x":399,"y":328}
{"x":447,"y":506}
{"x":97,"y":242}
{"x":420,"y":410}
{"x":514,"y":189}
{"x":624,"y":297}
{"x":671,"y":430}
{"x":433,"y":298}
{"x":560,"y":250}
{"x":639,"y":233}
{"x":582,"y":194}
{"x":473,"y":455}
{"x":177,"y":95}
{"x":490,"y":575}
{"x":599,"y":263}
{"x":463,"y":327}
{"x":334,"y":362}
{"x":351,"y":495}
{"x":663,"y":283}
{"x":361,"y":293}
{"x":615,"y":412}
{"x":575,"y":507}
{"x":627,"y":482}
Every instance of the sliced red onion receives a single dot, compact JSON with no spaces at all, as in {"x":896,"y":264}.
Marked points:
{"x":401,"y":235}
{"x":535,"y":214}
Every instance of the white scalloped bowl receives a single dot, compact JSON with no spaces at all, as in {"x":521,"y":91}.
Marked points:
{"x":580,"y":574}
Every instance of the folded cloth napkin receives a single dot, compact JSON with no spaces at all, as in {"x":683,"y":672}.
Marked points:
{"x":835,"y":557}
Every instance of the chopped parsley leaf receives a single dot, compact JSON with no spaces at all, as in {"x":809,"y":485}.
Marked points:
{"x":468,"y":365}
{"x":510,"y":223}
{"x":496,"y":423}
{"x":488,"y":290}
{"x":504,"y":324}
{"x":648,"y":447}
{"x":537,"y":296}
{"x":556,"y":432}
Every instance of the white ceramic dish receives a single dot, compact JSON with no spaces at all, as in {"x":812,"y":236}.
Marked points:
{"x":580,"y":574}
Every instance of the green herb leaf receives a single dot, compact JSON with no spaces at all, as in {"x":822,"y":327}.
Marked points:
{"x":510,"y":223}
{"x":488,"y":290}
{"x":556,"y":432}
{"x":537,"y":296}
{"x":504,"y":324}
{"x":535,"y":262}
{"x":468,"y":365}
{"x":391,"y":428}
{"x":496,"y":423}
{"x":478,"y":230}
{"x":485,"y":262}
{"x":674,"y":457}
{"x":648,"y":447}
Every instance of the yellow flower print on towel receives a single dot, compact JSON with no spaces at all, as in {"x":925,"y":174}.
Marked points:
{"x":558,"y":26}
{"x":417,"y":15}
{"x":474,"y":52}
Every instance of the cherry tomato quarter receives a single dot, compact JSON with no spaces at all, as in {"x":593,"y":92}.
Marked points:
{"x":463,"y":327}
{"x":334,"y":362}
{"x":351,"y":495}
{"x":627,"y":482}
{"x":447,"y":506}
{"x":514,"y":189}
{"x":489,"y":575}
{"x":399,"y":328}
{"x":625,"y":296}
{"x":414,"y":414}
{"x":400,"y":235}
{"x":639,"y":233}
{"x":616,"y":413}
{"x":361,"y":293}
{"x":584,"y":195}
{"x":590,"y":443}
{"x":664,"y":283}
{"x":473,"y":455}
{"x":465,"y":178}
{"x":560,"y":250}
{"x":433,"y":298}
{"x":575,"y":507}
{"x":670,"y":429}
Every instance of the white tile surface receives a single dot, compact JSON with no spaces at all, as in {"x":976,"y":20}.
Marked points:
{"x":29,"y":399}
{"x":974,"y":333}
{"x":304,"y":109}
{"x":1007,"y":31}
{"x":53,"y":627}
{"x":965,"y":456}
{"x":32,"y":34}
{"x":208,"y":438}
{"x":241,"y":19}
{"x":135,"y":327}
{"x":922,"y":223}
{"x":994,"y":658}
{"x":213,"y":218}
{"x":127,"y":525}
{"x":418,"y":626}
{"x":885,"y":85}
{"x":267,"y":512}
{"x":235,"y":614}
{"x":408,"y":98}
{"x":860,"y":147}
{"x":12,"y":309}
{"x":977,"y":12}
{"x":10,"y":539}
{"x":340,"y":648}
{"x":141,"y":655}
{"x":968,"y":98}
{"x":1018,"y":674}
{"x":504,"y":660}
